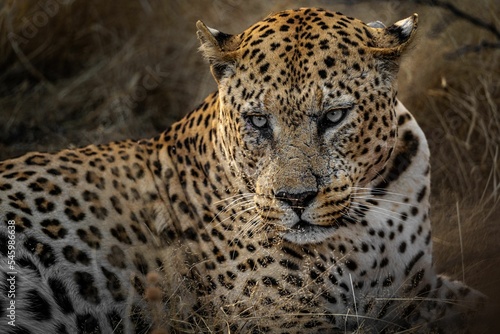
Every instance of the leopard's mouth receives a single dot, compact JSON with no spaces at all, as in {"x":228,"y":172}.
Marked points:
{"x":304,"y":226}
{"x":304,"y":232}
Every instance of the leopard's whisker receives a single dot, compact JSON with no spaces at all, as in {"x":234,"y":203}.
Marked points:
{"x":235,"y":197}
{"x":389,"y":213}
{"x":373,"y":191}
{"x":240,"y":212}
{"x":381,"y":200}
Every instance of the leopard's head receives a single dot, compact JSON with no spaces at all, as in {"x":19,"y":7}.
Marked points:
{"x":307,"y":112}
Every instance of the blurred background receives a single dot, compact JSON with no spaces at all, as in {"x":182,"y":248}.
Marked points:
{"x":76,"y":72}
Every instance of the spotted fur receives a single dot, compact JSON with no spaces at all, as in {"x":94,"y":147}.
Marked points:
{"x":295,"y":199}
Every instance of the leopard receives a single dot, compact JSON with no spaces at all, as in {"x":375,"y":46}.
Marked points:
{"x":294,"y":199}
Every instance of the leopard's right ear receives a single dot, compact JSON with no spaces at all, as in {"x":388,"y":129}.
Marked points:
{"x":219,"y":49}
{"x":391,"y":42}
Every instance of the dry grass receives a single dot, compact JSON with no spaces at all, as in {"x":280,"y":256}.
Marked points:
{"x":96,"y":71}
{"x":455,"y":98}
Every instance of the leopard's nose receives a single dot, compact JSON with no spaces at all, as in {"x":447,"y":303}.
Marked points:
{"x":297,"y":201}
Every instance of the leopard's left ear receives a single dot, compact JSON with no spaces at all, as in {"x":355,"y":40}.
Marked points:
{"x":392,"y":41}
{"x":219,"y":49}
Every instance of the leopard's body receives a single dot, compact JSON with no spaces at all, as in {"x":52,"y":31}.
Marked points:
{"x":294,"y":199}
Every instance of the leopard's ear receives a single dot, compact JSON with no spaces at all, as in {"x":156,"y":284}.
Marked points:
{"x":389,"y":43}
{"x":392,"y":41}
{"x":219,"y":49}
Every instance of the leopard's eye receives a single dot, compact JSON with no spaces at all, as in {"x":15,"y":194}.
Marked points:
{"x":259,"y":121}
{"x":335,"y":116}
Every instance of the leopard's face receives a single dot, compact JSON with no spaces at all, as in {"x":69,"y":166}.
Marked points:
{"x":307,"y":117}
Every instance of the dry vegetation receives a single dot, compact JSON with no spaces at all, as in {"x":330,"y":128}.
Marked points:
{"x":78,"y":72}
